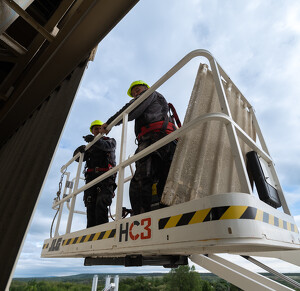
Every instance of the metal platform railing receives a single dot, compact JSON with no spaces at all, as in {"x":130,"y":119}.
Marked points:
{"x":234,"y":132}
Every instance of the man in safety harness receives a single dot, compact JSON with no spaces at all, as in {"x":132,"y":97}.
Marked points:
{"x":99,"y":158}
{"x":152,"y":122}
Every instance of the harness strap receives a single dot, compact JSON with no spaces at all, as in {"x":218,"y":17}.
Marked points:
{"x":157,"y":127}
{"x":165,"y":124}
{"x":171,"y":106}
{"x":98,"y":169}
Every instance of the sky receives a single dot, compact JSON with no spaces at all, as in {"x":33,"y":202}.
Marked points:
{"x":256,"y":42}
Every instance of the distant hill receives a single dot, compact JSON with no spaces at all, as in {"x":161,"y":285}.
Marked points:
{"x":80,"y":277}
{"x":84,"y":277}
{"x":84,"y":281}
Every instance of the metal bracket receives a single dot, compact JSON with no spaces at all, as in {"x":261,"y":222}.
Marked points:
{"x":167,"y":261}
{"x":69,"y":184}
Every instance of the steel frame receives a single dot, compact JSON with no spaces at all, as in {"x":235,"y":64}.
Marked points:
{"x":235,"y":274}
{"x":19,"y":10}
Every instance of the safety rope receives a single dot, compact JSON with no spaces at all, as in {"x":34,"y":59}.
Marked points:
{"x":110,"y":213}
{"x":125,"y":212}
{"x":57,"y":198}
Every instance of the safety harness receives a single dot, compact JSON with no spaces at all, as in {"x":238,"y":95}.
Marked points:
{"x":174,"y":115}
{"x":164,"y":126}
{"x":98,"y":169}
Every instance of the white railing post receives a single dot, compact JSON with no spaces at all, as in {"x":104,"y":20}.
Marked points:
{"x":233,"y":139}
{"x":70,"y":218}
{"x":95,"y":283}
{"x":68,"y":206}
{"x":270,"y":164}
{"x":119,"y":203}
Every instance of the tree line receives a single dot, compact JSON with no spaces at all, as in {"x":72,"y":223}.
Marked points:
{"x":183,"y":278}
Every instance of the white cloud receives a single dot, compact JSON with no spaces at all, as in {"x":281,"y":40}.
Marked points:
{"x":292,"y":19}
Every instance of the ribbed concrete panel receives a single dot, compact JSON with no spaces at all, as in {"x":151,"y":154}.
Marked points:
{"x":25,"y":159}
{"x":203,"y":164}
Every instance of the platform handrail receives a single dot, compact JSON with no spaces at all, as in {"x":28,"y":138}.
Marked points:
{"x":165,"y":140}
{"x":168,"y":138}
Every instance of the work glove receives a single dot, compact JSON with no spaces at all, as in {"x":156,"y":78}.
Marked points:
{"x":81,"y":149}
{"x":88,"y":138}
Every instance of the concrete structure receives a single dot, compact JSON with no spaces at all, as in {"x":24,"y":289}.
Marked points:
{"x":41,"y":65}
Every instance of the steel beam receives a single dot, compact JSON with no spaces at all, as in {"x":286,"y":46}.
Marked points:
{"x":235,"y":274}
{"x":19,"y":10}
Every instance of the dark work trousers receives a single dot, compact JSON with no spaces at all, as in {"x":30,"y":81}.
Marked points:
{"x":97,"y":199}
{"x":151,"y":169}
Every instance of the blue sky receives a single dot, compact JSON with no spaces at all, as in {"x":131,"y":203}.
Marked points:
{"x":256,"y":42}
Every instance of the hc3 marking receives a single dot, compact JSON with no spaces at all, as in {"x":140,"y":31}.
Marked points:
{"x":55,"y":245}
{"x":135,"y":230}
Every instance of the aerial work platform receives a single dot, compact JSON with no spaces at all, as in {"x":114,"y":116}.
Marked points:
{"x":213,"y":206}
{"x":232,"y":223}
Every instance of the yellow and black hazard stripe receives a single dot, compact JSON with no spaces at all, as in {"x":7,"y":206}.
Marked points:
{"x":87,"y":238}
{"x":222,"y":213}
{"x":90,"y":237}
{"x":45,"y":246}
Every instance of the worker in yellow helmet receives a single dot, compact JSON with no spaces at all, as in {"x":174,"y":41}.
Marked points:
{"x":138,"y":86}
{"x":152,"y":122}
{"x":99,"y":158}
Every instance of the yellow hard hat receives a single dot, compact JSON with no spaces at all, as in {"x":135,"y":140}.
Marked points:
{"x":135,"y":83}
{"x":95,"y":122}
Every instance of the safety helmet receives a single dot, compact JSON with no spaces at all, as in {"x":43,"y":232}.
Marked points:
{"x":95,"y":122}
{"x":135,"y":83}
